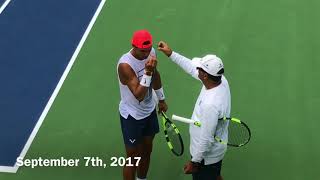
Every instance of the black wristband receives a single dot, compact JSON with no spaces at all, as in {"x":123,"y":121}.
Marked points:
{"x":197,"y":164}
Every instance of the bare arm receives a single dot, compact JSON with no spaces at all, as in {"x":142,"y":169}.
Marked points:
{"x":129,"y":78}
{"x":156,"y":84}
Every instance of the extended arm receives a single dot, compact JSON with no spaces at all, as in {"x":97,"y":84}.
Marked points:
{"x":157,"y":86}
{"x":186,"y":64}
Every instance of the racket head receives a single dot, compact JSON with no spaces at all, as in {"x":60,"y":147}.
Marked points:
{"x":239,"y":133}
{"x":172,"y":135}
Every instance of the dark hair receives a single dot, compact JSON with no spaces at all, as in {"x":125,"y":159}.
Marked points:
{"x":146,"y":43}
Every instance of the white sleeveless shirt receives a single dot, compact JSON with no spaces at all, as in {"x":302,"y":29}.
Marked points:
{"x":129,"y":105}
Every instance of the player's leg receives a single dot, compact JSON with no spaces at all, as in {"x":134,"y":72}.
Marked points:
{"x":219,"y":178}
{"x":129,"y":172}
{"x":151,"y":128}
{"x":132,"y":136}
{"x":146,"y":150}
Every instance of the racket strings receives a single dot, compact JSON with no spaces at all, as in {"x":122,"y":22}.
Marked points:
{"x":238,"y":134}
{"x":222,"y":128}
{"x":174,"y":138}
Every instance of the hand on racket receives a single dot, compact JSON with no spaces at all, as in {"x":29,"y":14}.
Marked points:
{"x":162,"y":105}
{"x":239,"y":133}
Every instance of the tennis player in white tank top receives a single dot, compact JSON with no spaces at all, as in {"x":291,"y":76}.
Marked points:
{"x":138,"y":78}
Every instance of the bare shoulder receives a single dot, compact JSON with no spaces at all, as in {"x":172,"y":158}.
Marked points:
{"x":125,"y":72}
{"x":124,"y":68}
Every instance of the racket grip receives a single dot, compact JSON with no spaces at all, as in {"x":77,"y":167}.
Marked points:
{"x":185,"y":120}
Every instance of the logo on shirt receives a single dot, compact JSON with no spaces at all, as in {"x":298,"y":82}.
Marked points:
{"x":132,"y":141}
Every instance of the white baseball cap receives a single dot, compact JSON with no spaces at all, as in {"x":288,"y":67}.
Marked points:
{"x":210,"y":63}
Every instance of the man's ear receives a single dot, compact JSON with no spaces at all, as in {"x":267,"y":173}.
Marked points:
{"x":205,"y":76}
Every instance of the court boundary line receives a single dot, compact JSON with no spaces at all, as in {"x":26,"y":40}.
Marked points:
{"x":4,"y":5}
{"x":14,"y":169}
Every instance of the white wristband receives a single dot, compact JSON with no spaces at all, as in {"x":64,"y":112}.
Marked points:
{"x":160,"y":94}
{"x":145,"y":80}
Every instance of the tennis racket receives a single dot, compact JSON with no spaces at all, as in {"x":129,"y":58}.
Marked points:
{"x":239,"y":133}
{"x":172,"y":135}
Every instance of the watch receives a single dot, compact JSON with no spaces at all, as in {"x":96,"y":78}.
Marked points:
{"x":197,"y":164}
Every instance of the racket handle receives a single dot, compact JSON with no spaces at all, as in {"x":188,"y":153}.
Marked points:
{"x":185,"y":120}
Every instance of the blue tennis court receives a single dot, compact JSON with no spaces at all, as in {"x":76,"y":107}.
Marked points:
{"x":38,"y":41}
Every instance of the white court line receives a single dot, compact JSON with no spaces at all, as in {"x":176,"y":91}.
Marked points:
{"x":4,"y":5}
{"x":14,"y":169}
{"x":8,"y":169}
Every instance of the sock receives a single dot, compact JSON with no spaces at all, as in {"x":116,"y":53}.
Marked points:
{"x":141,"y":179}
